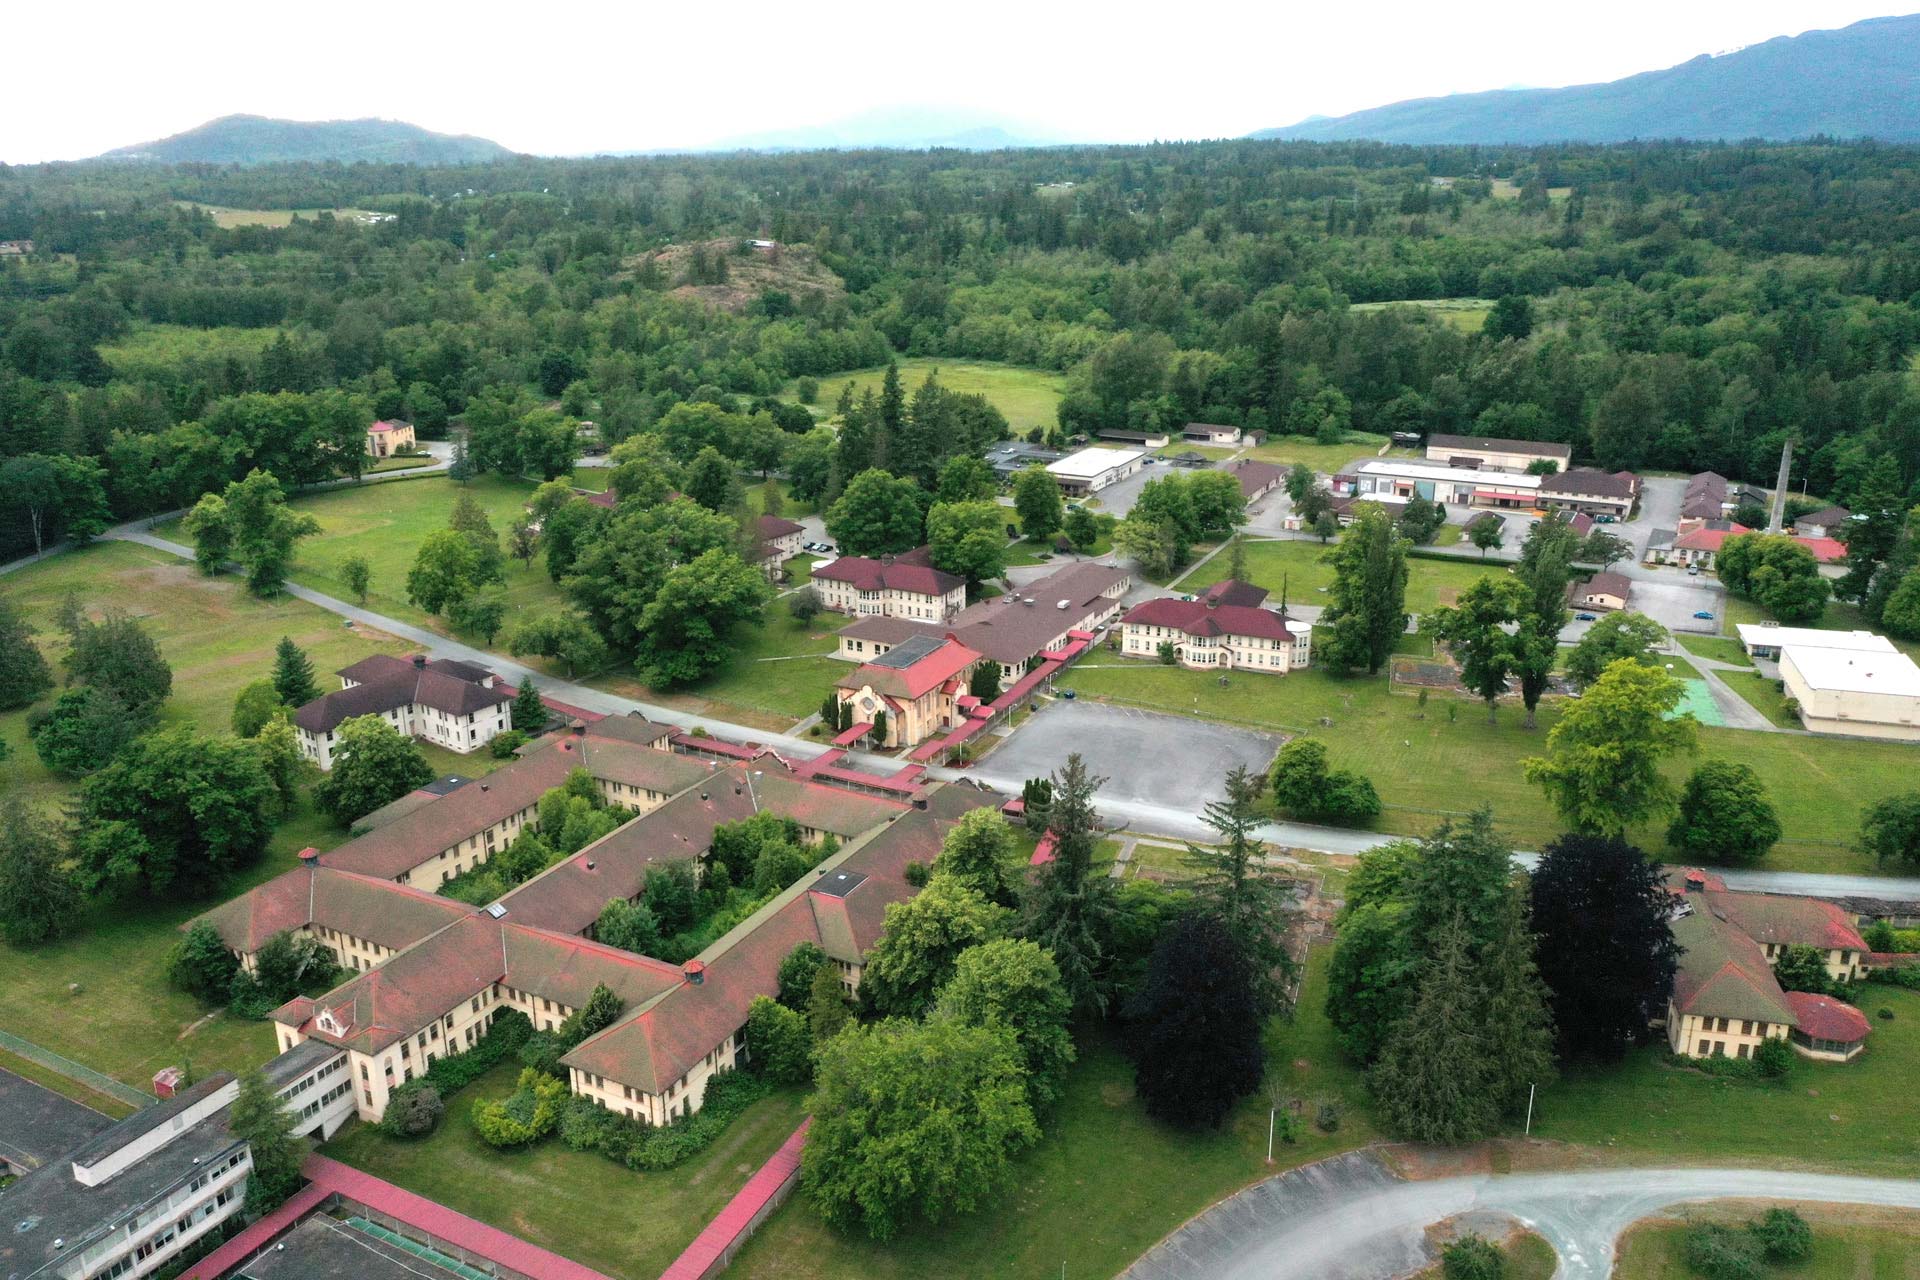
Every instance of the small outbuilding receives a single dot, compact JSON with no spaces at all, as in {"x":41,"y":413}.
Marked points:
{"x":1828,"y":1029}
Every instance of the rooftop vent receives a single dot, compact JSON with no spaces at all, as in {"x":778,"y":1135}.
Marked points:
{"x":495,"y":910}
{"x":419,"y":659}
{"x":696,"y":971}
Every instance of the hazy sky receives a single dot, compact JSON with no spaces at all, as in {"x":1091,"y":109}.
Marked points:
{"x":567,"y":77}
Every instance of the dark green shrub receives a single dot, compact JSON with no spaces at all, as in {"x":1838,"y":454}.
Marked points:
{"x":1783,"y":1236}
{"x":1722,"y":1253}
{"x":458,"y":1070}
{"x":1471,"y":1258}
{"x":505,"y":744}
{"x":413,"y":1110}
{"x":1328,"y":1118}
{"x":1772,"y":1059}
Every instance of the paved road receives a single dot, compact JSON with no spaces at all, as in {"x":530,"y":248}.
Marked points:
{"x":1351,"y":1218}
{"x":1141,"y":814}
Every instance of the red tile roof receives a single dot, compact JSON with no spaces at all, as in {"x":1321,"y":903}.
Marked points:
{"x":1227,"y":591}
{"x":1709,"y":539}
{"x":1825,"y":1018}
{"x":926,"y":674}
{"x":901,"y":575}
{"x":377,"y":910}
{"x":1825,"y":550}
{"x":1256,"y":477}
{"x":1586,"y":481}
{"x":1789,"y":921}
{"x":773,"y":527}
{"x":1197,"y":618}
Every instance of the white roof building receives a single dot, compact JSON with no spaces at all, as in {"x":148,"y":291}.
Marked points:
{"x":1862,"y":694}
{"x":1767,"y":639}
{"x":1095,"y":468}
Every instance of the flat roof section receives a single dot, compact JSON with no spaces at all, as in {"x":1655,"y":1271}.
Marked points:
{"x":38,"y":1125}
{"x":1841,"y":671}
{"x":1093,"y":461}
{"x":1772,"y":636}
{"x":325,"y":1249}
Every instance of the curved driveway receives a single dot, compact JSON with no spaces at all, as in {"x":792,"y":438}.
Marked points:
{"x":1350,"y":1218}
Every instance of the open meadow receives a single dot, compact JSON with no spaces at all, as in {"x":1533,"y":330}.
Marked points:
{"x":1028,"y":397}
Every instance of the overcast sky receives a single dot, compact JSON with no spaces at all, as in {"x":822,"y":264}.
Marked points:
{"x":568,"y":77}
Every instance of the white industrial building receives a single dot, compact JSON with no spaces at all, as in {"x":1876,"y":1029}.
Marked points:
{"x":1865,"y":694}
{"x":1767,"y":639}
{"x":1093,"y":469}
{"x":1405,"y":478}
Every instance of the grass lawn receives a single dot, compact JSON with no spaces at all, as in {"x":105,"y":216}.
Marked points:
{"x":1719,"y":648}
{"x":1446,"y":764}
{"x":1028,"y":397}
{"x":1849,"y":1243}
{"x":1104,"y":1184}
{"x":790,"y":507}
{"x":215,"y":636}
{"x":1217,"y":452}
{"x":1763,"y":695}
{"x":1324,"y":458}
{"x":777,"y":673}
{"x":1524,"y":1255}
{"x":230,"y":218}
{"x":592,"y":479}
{"x":122,"y":1019}
{"x":1430,"y":583}
{"x":386,"y":523}
{"x":578,"y":1204}
{"x":1853,"y":1116}
{"x":1468,"y":315}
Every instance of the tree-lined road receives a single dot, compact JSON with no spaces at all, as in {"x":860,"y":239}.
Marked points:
{"x":1141,"y":816}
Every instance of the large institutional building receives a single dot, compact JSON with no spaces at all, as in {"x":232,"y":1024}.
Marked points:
{"x":1223,"y":629}
{"x":430,"y":975}
{"x":905,"y":586}
{"x":451,"y":704}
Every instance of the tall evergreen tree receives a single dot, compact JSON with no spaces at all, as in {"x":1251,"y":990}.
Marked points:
{"x":1546,"y":568}
{"x":529,"y":710}
{"x":1436,"y":1080}
{"x":893,"y":401}
{"x":293,"y":679}
{"x":1518,"y":1026}
{"x":38,"y":898}
{"x":24,"y":675}
{"x":1233,"y":888}
{"x":1067,"y":909}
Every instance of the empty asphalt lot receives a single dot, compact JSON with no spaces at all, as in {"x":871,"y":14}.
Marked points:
{"x":1146,"y":758}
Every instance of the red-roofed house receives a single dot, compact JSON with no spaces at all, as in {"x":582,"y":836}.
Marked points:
{"x":384,"y":439}
{"x":912,"y":691}
{"x":779,"y":542}
{"x":905,"y":586}
{"x":1700,"y":545}
{"x":1212,"y":636}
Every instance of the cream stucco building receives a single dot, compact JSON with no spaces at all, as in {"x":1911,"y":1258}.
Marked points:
{"x":1859,"y":692}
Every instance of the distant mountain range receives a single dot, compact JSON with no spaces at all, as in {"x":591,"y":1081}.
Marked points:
{"x":1858,"y":81}
{"x":260,"y":140}
{"x":906,"y":128}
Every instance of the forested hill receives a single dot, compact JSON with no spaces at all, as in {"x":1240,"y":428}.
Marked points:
{"x":1861,"y":81}
{"x":261,"y":140}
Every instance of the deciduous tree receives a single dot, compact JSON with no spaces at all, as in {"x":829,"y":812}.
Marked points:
{"x":1602,"y":771}
{"x":1195,"y":1026}
{"x":1368,"y":614}
{"x":1890,"y":831}
{"x":259,"y":1119}
{"x":373,"y":763}
{"x":1012,"y":983}
{"x":968,"y":539}
{"x":38,"y":898}
{"x":1036,"y":500}
{"x":920,"y":942}
{"x":1724,"y":815}
{"x":1475,"y":632}
{"x":876,"y":515}
{"x":1627,"y":635}
{"x":24,"y":675}
{"x":685,"y":630}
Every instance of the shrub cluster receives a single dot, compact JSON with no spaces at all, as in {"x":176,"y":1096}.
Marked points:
{"x":587,"y":1126}
{"x":1779,"y":1236}
{"x":458,"y":1070}
{"x":524,"y":1116}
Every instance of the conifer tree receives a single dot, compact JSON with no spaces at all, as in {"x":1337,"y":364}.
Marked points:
{"x":1233,"y":888}
{"x":293,"y":674}
{"x":24,"y":675}
{"x":529,"y":711}
{"x":259,"y":1119}
{"x":1435,"y":1081}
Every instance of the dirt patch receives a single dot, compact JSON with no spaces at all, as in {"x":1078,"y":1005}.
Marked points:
{"x":1420,"y":1164}
{"x":1116,"y":1093}
{"x":690,"y":270}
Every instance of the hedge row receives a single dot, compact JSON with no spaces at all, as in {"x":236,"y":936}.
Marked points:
{"x":587,"y":1126}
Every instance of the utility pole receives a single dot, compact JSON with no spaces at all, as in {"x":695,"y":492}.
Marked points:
{"x":1530,"y":1091}
{"x":1777,"y":518}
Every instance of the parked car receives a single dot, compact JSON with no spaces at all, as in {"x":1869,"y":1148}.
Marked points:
{"x":1693,"y":571}
{"x":1586,"y":617}
{"x":1705,"y":615}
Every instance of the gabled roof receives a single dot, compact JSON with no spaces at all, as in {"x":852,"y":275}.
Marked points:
{"x":662,"y":1041}
{"x":1826,"y":517}
{"x":771,"y":527}
{"x":1705,"y":539}
{"x":1197,"y":618}
{"x":1723,"y":973}
{"x":1229,"y":591}
{"x":1256,"y":476}
{"x":944,"y":662}
{"x":388,"y":683}
{"x":1825,"y":550}
{"x":1601,"y":584}
{"x":377,"y":910}
{"x":901,"y":574}
{"x":1496,"y":444}
{"x":1789,"y":921}
{"x":1585,"y":481}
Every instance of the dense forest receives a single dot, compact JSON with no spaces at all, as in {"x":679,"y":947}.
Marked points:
{"x":1676,"y":307}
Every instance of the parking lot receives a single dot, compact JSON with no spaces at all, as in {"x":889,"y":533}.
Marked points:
{"x":1147,"y":759}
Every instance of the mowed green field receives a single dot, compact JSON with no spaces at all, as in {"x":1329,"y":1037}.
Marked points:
{"x":1855,"y":1116}
{"x":1029,"y":397}
{"x":386,"y":523}
{"x":1849,"y":1243}
{"x":1449,"y":763}
{"x":578,"y":1204}
{"x":1327,"y":459}
{"x":1468,"y":315}
{"x":100,"y":997}
{"x":1104,"y":1184}
{"x":1301,"y":565}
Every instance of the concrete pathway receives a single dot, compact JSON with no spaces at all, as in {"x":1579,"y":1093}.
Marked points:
{"x":1353,"y":1218}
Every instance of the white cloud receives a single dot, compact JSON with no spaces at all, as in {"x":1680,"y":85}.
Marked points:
{"x":570,"y":77}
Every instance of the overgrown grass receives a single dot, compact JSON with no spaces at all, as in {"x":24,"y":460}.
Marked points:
{"x":162,"y":352}
{"x":1028,"y":397}
{"x":1452,"y":760}
{"x":1719,"y":648}
{"x":1468,"y":315}
{"x":66,"y":1088}
{"x":1324,"y":458}
{"x":576,"y":1203}
{"x":1104,"y":1185}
